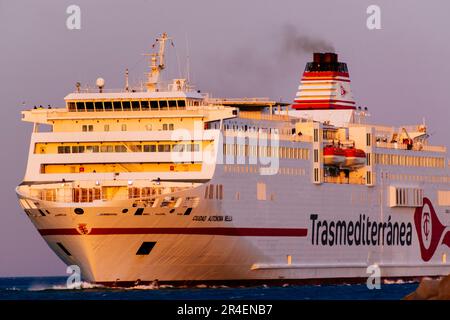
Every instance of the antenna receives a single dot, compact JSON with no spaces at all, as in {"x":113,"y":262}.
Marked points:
{"x":188,"y":62}
{"x":126,"y":80}
{"x":157,"y":63}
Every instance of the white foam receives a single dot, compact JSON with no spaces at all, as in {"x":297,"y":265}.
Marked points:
{"x":83,"y":285}
{"x":399,"y":281}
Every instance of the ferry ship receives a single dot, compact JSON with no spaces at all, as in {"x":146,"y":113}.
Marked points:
{"x":163,"y":182}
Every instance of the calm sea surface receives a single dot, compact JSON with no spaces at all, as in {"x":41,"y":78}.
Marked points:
{"x":54,"y":288}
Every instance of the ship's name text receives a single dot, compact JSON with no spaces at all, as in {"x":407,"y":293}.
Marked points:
{"x":361,"y":232}
{"x":212,"y":218}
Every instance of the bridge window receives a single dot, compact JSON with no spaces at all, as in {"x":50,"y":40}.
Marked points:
{"x":71,"y":106}
{"x":98,"y":106}
{"x":181,"y":103}
{"x":108,"y":105}
{"x":117,"y":105}
{"x":126,"y":105}
{"x":154,"y":105}
{"x":89,"y":106}
{"x":172,"y":104}
{"x":80,"y":106}
{"x":163,"y":104}
{"x":144,"y":105}
{"x":135,"y":105}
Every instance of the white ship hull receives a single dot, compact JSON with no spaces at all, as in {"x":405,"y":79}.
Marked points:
{"x":265,"y":241}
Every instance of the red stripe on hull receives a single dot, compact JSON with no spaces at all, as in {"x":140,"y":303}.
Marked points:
{"x":248,"y":232}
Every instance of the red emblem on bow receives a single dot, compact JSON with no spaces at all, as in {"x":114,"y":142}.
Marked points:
{"x":429,"y":230}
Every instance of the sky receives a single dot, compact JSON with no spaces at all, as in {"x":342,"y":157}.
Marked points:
{"x":234,"y":48}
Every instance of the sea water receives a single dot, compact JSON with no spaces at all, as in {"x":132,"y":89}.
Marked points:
{"x":54,"y":288}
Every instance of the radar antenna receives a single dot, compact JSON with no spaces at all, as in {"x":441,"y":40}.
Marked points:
{"x":157,"y":63}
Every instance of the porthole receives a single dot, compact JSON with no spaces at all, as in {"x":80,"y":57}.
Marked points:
{"x":124,"y":210}
{"x":78,"y":211}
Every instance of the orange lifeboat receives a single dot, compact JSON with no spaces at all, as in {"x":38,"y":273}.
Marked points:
{"x":354,"y":157}
{"x":333,"y":156}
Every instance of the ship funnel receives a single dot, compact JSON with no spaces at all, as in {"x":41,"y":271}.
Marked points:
{"x":325,"y":84}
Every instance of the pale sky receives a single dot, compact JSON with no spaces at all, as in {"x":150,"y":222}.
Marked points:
{"x":236,"y":48}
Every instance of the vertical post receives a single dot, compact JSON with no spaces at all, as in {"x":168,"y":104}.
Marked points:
{"x":317,"y":154}
{"x":370,"y":177}
{"x":126,"y":80}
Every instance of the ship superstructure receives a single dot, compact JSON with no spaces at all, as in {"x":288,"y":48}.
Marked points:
{"x":168,"y":183}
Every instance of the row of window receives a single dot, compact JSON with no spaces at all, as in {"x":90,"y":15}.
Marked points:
{"x":257,"y":170}
{"x":125,"y":147}
{"x":98,"y":193}
{"x":245,"y":150}
{"x":403,"y":160}
{"x":117,"y":168}
{"x":246,"y":128}
{"x":414,"y":178}
{"x":126,"y":105}
{"x":123,"y":127}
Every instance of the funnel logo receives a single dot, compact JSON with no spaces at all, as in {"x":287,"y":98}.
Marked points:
{"x":429,"y":230}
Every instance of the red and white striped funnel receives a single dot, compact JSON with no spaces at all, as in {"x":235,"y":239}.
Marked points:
{"x":325,"y":85}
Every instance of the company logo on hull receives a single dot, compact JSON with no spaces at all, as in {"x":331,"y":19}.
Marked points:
{"x":362,"y":232}
{"x":429,"y":230}
{"x":83,"y":228}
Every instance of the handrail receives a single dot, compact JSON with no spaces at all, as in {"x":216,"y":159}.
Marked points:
{"x":256,"y":134}
{"x":415,"y":147}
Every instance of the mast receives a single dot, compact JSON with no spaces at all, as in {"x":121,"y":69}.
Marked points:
{"x":156,"y":63}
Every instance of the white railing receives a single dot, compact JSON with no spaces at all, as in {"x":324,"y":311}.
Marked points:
{"x":91,"y":194}
{"x":256,"y":134}
{"x":415,"y":147}
{"x":263,"y":116}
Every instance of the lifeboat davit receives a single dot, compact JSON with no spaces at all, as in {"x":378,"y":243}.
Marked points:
{"x":333,"y":156}
{"x":354,"y":157}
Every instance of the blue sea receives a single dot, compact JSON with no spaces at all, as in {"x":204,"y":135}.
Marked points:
{"x":54,"y":288}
